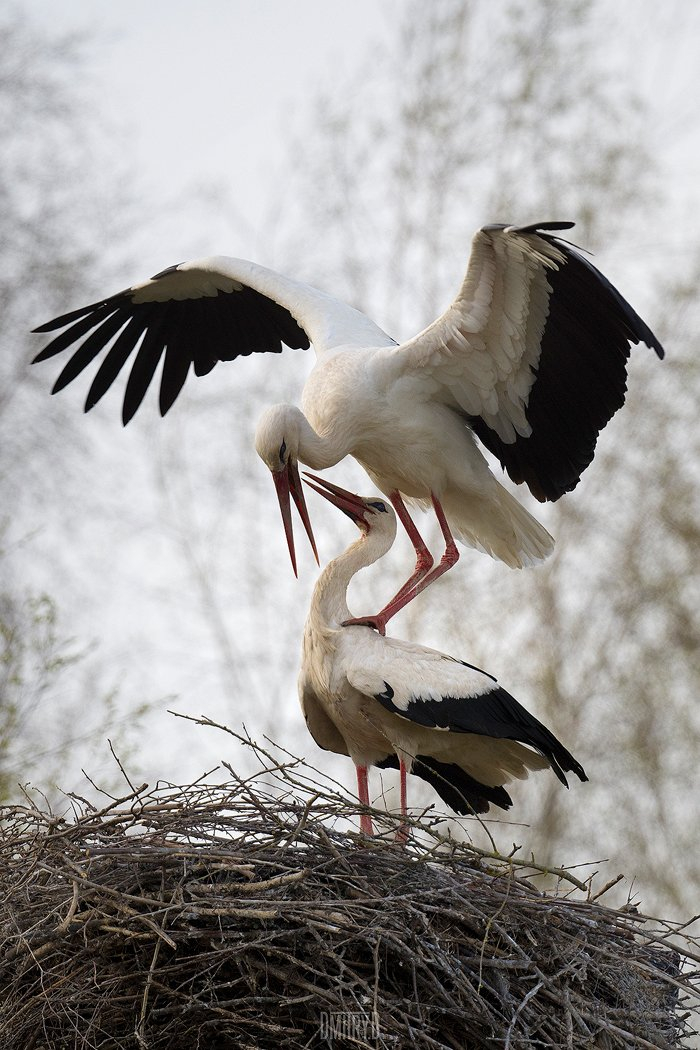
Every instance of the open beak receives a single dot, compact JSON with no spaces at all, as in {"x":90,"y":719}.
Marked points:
{"x":348,"y":502}
{"x":287,"y":482}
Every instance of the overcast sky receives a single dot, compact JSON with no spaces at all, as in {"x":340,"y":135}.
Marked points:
{"x":210,"y":92}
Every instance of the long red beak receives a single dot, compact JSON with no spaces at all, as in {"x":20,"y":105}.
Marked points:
{"x":287,"y":482}
{"x":348,"y":502}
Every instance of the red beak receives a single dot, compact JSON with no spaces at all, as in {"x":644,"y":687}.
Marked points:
{"x":348,"y":502}
{"x":287,"y":482}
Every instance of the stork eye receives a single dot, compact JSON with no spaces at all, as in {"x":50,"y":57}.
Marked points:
{"x":283,"y":451}
{"x":378,"y":505}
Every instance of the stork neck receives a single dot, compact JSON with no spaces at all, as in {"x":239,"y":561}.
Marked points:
{"x":330,"y":594}
{"x":319,"y":451}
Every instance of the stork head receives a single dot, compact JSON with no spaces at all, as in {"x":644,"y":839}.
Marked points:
{"x":277,"y":443}
{"x":370,"y":513}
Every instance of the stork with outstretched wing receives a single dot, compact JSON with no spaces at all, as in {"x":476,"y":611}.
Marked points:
{"x":530,"y":359}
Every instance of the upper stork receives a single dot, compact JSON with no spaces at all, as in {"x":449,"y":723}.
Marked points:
{"x":530,"y":359}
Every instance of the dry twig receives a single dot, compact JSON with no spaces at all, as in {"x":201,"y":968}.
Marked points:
{"x":249,"y":914}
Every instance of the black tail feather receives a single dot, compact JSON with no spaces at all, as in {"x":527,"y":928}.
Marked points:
{"x":456,"y":788}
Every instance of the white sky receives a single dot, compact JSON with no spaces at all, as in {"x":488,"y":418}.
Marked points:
{"x":209,"y":92}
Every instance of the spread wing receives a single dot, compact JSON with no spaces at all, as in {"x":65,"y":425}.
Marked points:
{"x":193,"y":315}
{"x":533,"y":352}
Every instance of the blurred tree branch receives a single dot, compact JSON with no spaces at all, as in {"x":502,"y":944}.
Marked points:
{"x":52,"y":702}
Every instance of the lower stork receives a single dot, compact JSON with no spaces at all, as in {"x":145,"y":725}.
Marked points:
{"x":390,"y":703}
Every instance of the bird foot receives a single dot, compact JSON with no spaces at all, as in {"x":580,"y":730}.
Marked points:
{"x":377,"y":623}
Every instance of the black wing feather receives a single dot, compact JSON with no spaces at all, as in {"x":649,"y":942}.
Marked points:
{"x":219,"y":333}
{"x":114,"y":361}
{"x":495,"y":714}
{"x":191,"y":332}
{"x":89,"y":349}
{"x":581,"y":378}
{"x":87,"y":322}
{"x":64,"y":319}
{"x":175,"y":368}
{"x":142,"y":371}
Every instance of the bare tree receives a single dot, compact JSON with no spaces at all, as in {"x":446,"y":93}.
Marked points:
{"x":620,"y":607}
{"x":54,"y":698}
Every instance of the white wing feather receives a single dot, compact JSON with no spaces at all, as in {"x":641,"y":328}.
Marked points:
{"x":327,"y":321}
{"x":413,"y":671}
{"x":484,"y":350}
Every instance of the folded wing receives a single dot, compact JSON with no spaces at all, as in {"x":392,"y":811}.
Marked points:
{"x":435,"y":691}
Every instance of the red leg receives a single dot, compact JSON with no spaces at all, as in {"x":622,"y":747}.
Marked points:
{"x":363,"y":794}
{"x":449,"y":558}
{"x":421,"y":578}
{"x":402,"y":832}
{"x":424,"y":559}
{"x":424,"y":563}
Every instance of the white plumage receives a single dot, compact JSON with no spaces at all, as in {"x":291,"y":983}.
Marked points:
{"x":386,"y":702}
{"x":530,"y":358}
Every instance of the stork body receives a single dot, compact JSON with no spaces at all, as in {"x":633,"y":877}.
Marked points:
{"x":386,"y":702}
{"x":530,"y":358}
{"x":413,"y":447}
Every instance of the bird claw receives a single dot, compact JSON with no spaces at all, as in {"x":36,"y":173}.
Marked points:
{"x":375,"y":622}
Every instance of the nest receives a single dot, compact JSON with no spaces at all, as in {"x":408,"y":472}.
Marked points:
{"x":249,"y":914}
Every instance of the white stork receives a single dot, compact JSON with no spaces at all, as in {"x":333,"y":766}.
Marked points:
{"x":530,"y":358}
{"x":386,"y":702}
